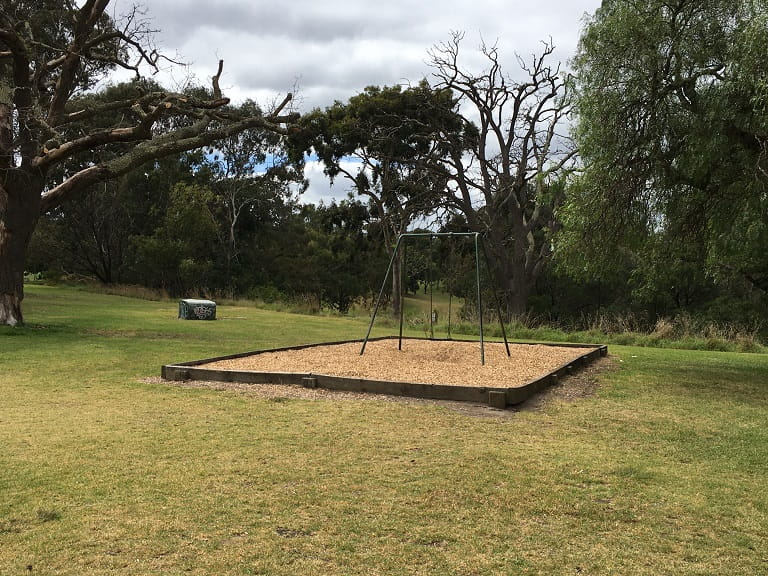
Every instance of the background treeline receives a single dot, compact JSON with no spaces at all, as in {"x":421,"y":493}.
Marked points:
{"x":168,"y":229}
{"x":171,"y":229}
{"x":630,"y":195}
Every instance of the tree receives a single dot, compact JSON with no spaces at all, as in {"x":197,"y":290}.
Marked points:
{"x":51,"y":53}
{"x":385,"y":142}
{"x":93,"y":234}
{"x":510,"y":183}
{"x":346,"y":259}
{"x":673,"y":132}
{"x":251,"y":171}
{"x":179,"y":256}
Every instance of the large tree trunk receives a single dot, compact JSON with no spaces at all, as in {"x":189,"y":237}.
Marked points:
{"x":19,"y":212}
{"x":516,"y":286}
{"x":513,"y":275}
{"x":516,"y":297}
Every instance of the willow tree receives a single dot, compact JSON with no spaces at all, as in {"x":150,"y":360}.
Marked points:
{"x":673,"y":131}
{"x":51,"y":54}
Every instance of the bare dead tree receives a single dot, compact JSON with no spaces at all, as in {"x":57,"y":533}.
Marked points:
{"x":508,"y":179}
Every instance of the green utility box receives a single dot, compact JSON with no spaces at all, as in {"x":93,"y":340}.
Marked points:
{"x":197,"y":309}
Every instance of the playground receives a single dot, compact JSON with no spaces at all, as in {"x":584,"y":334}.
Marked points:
{"x":417,"y":367}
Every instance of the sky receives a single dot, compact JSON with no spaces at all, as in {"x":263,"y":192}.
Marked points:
{"x":331,"y":50}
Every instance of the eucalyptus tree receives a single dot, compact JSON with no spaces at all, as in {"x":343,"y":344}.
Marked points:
{"x":673,"y":131}
{"x":53,"y":52}
{"x":93,"y":232}
{"x":386,"y":142}
{"x":508,"y":175}
{"x":252,"y":172}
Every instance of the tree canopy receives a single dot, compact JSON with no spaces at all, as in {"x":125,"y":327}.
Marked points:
{"x":673,"y":130}
{"x":654,"y":204}
{"x":387,"y":143}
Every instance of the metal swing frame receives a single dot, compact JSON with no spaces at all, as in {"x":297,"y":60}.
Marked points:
{"x":478,"y":243}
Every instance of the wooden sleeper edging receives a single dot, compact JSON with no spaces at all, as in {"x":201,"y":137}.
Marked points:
{"x":495,"y":397}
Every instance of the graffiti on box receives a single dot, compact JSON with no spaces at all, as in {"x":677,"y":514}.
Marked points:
{"x":197,"y":310}
{"x":203,"y":312}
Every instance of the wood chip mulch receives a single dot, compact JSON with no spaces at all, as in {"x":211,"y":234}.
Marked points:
{"x":420,"y":361}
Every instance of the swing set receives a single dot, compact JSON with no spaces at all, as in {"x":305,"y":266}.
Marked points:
{"x":431,"y":235}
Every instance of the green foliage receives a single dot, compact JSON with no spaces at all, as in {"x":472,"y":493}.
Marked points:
{"x":386,"y":141}
{"x":741,"y":249}
{"x":672,"y":131}
{"x":178,"y":257}
{"x":343,"y":258}
{"x":66,"y":128}
{"x":668,"y":219}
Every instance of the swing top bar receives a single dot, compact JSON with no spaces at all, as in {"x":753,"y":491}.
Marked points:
{"x":431,"y":234}
{"x":477,"y":238}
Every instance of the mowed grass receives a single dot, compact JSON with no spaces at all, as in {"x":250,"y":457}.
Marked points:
{"x":663,"y":471}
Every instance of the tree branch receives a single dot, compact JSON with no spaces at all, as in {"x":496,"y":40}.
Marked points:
{"x":87,"y":18}
{"x":174,"y":142}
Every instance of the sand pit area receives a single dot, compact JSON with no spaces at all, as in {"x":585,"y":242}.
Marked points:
{"x":453,"y":363}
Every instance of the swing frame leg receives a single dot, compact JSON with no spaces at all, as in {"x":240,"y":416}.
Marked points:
{"x":431,"y":235}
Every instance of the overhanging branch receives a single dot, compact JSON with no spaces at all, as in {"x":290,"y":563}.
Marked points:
{"x":171,"y":143}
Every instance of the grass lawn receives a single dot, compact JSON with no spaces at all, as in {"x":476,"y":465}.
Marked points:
{"x":663,"y":471}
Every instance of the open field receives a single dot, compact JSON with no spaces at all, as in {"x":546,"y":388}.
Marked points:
{"x":103,"y":471}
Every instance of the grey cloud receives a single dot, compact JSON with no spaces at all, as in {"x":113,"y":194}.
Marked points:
{"x":302,"y":21}
{"x":337,"y":47}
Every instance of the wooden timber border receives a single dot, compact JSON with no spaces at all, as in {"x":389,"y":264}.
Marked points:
{"x":494,"y":396}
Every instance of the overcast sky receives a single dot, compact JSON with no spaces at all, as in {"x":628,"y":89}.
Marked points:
{"x":330,"y":50}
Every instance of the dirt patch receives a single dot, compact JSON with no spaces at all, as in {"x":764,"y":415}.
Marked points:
{"x":573,"y":387}
{"x":420,"y":361}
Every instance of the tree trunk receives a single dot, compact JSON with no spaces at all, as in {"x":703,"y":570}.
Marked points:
{"x":516,"y":288}
{"x":512,"y":276}
{"x":516,"y":297}
{"x":19,"y":212}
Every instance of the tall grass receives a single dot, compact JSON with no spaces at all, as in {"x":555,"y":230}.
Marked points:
{"x":682,"y":331}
